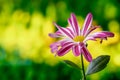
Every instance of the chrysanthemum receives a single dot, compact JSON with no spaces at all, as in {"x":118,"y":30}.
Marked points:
{"x":74,"y":38}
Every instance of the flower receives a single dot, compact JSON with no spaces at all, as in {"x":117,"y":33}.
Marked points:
{"x":74,"y":38}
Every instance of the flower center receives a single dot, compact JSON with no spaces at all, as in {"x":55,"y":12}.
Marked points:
{"x":78,"y":38}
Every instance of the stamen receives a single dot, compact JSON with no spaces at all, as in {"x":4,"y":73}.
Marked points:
{"x":78,"y":38}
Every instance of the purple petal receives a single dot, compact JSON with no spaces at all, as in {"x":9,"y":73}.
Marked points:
{"x":92,"y":28}
{"x":108,"y":34}
{"x":86,"y":54}
{"x":87,"y":23}
{"x":56,"y":34}
{"x":64,"y":31}
{"x":102,"y":35}
{"x":74,"y":24}
{"x":71,"y":31}
{"x":76,"y":50}
{"x":64,"y":50}
{"x":54,"y":47}
{"x":63,"y":43}
{"x":89,"y":38}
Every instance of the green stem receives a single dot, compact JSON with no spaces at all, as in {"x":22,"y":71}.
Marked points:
{"x":83,"y":70}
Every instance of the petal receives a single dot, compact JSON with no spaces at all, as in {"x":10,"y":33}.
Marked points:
{"x":92,"y":28}
{"x":102,"y":35}
{"x":89,"y":38}
{"x":64,"y":31}
{"x":56,"y":34}
{"x":65,"y":42}
{"x":54,"y":47}
{"x":76,"y":50}
{"x":63,"y":50}
{"x":87,"y":23}
{"x":71,"y":31}
{"x":74,"y":24}
{"x":86,"y":54}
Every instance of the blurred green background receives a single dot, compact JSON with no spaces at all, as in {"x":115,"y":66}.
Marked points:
{"x":24,"y":40}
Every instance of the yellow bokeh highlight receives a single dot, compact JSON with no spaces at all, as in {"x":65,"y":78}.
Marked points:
{"x":116,"y":60}
{"x":114,"y":26}
{"x":110,"y":11}
{"x":33,"y":42}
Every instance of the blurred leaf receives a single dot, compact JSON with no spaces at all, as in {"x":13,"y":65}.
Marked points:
{"x":98,"y":64}
{"x":72,"y":64}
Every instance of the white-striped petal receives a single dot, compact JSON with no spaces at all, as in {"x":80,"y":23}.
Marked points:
{"x":86,"y":54}
{"x":76,"y":50}
{"x":74,"y":24}
{"x":87,"y":24}
{"x":64,"y":31}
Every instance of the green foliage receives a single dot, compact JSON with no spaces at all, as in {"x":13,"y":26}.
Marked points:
{"x":72,"y":64}
{"x":38,"y":72}
{"x":98,"y":64}
{"x":43,"y":71}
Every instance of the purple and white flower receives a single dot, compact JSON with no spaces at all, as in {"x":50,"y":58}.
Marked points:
{"x":74,"y":38}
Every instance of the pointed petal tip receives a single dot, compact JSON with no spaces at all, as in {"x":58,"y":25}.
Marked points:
{"x":90,"y":14}
{"x":86,"y":54}
{"x":56,"y":25}
{"x":73,"y":15}
{"x":112,"y":34}
{"x":53,"y":22}
{"x":87,"y":23}
{"x":108,"y":34}
{"x":90,"y":60}
{"x":50,"y":34}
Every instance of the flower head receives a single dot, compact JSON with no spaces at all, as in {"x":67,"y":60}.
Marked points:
{"x":74,"y":38}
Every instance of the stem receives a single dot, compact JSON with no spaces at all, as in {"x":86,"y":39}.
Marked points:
{"x":84,"y":77}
